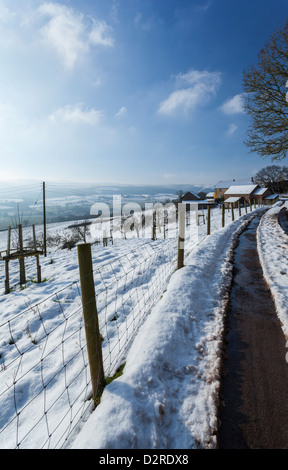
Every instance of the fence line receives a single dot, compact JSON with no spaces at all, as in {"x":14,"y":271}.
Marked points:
{"x":45,"y":387}
{"x":126,"y":291}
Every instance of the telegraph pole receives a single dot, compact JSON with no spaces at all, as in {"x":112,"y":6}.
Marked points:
{"x":44,"y":220}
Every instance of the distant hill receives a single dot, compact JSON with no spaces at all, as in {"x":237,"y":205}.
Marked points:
{"x":22,"y":201}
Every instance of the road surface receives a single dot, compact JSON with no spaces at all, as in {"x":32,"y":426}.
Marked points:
{"x":255,"y":382}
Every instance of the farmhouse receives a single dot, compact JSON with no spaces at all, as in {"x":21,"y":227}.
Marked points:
{"x":234,"y":194}
{"x":223,"y":186}
{"x":244,"y":192}
{"x":193,"y":201}
{"x":271,"y":199}
{"x":251,"y":193}
{"x":261,"y":194}
{"x":189,"y":196}
{"x":210,"y":196}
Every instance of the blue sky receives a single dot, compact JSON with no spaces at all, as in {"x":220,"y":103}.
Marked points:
{"x":129,"y":91}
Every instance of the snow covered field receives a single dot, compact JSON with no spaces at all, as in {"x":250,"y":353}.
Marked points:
{"x":167,"y":396}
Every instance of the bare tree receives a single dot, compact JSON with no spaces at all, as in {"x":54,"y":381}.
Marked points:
{"x":265,"y":98}
{"x":272,"y":176}
{"x":82,"y":230}
{"x":180,"y":194}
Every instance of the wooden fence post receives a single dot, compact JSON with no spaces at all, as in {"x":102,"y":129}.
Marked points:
{"x":7,"y":284}
{"x":154,"y":226}
{"x":232,"y":211}
{"x":38,"y":269}
{"x":223,"y":215}
{"x":90,"y":315}
{"x":181,"y":235}
{"x":208,"y":220}
{"x":9,"y":241}
{"x":21,"y":258}
{"x":239,"y":208}
{"x":245,"y":206}
{"x":37,"y":256}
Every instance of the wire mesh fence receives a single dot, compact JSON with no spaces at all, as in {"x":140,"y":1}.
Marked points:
{"x":45,"y":382}
{"x":45,"y":388}
{"x":128,"y":288}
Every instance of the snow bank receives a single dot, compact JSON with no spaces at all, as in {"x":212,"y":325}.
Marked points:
{"x":272,"y":242}
{"x":168,"y":394}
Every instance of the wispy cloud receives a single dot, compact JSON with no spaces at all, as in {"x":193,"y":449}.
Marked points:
{"x":233,"y":105}
{"x":122,"y":111}
{"x":232,"y":128}
{"x":70,"y":33}
{"x":203,"y":7}
{"x":75,"y":114}
{"x":5,"y":14}
{"x":144,"y":23}
{"x":195,"y":88}
{"x":100,"y":34}
{"x":168,"y":176}
{"x":190,"y":14}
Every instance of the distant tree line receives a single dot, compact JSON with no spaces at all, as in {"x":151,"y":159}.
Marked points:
{"x":273,"y":177}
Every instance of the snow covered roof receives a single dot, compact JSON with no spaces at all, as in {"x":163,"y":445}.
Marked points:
{"x":272,"y":196}
{"x":260,"y":191}
{"x":198,"y":202}
{"x":241,"y":189}
{"x":232,"y":199}
{"x":190,"y":193}
{"x":210,"y":194}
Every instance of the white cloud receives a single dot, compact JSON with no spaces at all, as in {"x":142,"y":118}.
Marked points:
{"x":70,"y":33}
{"x":122,"y":111}
{"x":114,"y":12}
{"x":204,"y":7}
{"x":170,"y":176}
{"x":99,"y":36}
{"x":196,"y":88}
{"x":75,"y":114}
{"x":139,"y":22}
{"x":180,"y":99}
{"x":97,"y":82}
{"x":233,"y":105}
{"x":138,"y":18}
{"x":232,"y":129}
{"x":5,"y":14}
{"x":7,"y":113}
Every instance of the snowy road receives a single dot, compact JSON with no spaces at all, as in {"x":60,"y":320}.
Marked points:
{"x":255,"y":386}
